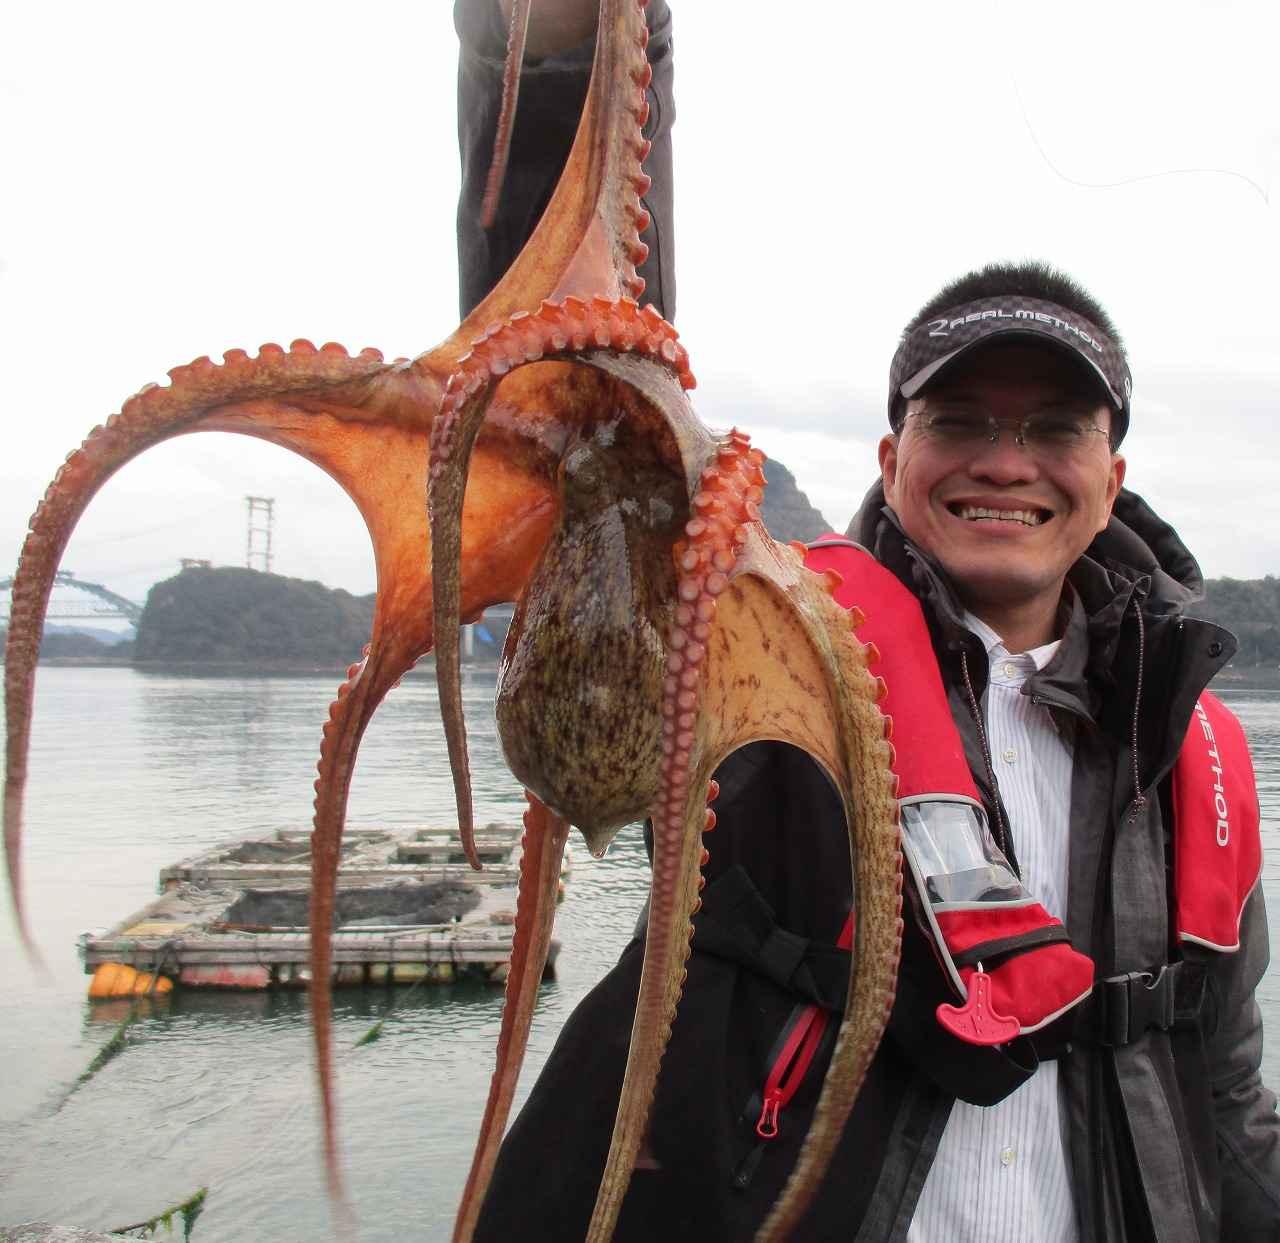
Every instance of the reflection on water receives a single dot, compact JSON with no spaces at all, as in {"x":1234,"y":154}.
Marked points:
{"x":134,"y":771}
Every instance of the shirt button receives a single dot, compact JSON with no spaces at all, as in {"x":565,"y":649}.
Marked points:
{"x":1009,"y":755}
{"x":1008,"y":1156}
{"x":1009,"y":671}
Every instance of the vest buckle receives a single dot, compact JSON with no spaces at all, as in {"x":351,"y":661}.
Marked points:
{"x":1128,"y":1005}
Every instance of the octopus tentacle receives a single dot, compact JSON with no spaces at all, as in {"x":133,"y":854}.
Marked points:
{"x":867,"y":759}
{"x":556,"y":329}
{"x":383,"y":663}
{"x":517,"y":32}
{"x":199,"y":394}
{"x":740,"y":599}
{"x":452,"y":437}
{"x":588,"y":240}
{"x":540,"y":862}
{"x":783,"y":662}
{"x":726,"y":502}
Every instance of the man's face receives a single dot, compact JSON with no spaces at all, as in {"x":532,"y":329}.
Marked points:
{"x":1047,"y":507}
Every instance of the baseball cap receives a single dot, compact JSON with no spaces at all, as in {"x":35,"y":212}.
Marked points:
{"x":929,"y":349}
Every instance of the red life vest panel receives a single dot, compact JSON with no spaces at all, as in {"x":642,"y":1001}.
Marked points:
{"x":1217,"y":849}
{"x":1008,"y":959}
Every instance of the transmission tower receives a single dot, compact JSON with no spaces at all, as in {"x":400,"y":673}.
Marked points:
{"x":257,"y":554}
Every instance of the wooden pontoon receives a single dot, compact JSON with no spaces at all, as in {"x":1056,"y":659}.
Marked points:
{"x":409,"y":908}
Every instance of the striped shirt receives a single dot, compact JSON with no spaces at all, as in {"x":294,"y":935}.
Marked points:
{"x":1003,"y":1172}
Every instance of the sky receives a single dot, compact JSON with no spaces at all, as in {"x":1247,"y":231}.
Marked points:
{"x":182,"y":179}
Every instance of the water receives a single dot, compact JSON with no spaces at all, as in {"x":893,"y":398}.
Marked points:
{"x":132,"y":771}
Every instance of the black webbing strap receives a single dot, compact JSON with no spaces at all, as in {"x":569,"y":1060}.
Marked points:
{"x":996,"y":950}
{"x":737,"y":924}
{"x":1123,"y":1007}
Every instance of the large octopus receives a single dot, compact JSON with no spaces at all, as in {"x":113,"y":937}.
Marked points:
{"x":545,"y":452}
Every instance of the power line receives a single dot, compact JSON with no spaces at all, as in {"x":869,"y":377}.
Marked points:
{"x":120,"y":537}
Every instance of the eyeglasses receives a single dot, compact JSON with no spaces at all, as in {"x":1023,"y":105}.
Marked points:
{"x":1058,"y":432}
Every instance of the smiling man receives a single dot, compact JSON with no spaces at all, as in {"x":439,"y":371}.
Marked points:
{"x":1001,"y":463}
{"x":1055,"y":601}
{"x":1125,"y":1105}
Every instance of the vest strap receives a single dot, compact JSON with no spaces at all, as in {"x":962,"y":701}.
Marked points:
{"x":1124,"y":1007}
{"x":990,"y":952}
{"x":737,"y":924}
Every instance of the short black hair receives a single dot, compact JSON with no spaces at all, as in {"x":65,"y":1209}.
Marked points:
{"x":1030,"y":278}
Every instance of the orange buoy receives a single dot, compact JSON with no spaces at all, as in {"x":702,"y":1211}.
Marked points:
{"x":118,"y":979}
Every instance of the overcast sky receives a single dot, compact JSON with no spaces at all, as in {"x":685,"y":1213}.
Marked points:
{"x":182,"y":179}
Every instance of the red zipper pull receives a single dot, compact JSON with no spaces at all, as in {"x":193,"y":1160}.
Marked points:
{"x":792,"y":1063}
{"x":767,"y":1126}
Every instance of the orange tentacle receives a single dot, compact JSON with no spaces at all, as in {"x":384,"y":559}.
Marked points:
{"x":543,"y":851}
{"x":367,"y":683}
{"x":727,"y":501}
{"x":588,"y":240}
{"x":198,"y":394}
{"x":516,"y":34}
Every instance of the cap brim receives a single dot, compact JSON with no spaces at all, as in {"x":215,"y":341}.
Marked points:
{"x":914,"y":385}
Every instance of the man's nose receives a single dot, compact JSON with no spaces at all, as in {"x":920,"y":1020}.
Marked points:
{"x":1004,"y":462}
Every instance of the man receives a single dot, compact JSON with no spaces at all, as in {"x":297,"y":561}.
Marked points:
{"x":1054,"y":603}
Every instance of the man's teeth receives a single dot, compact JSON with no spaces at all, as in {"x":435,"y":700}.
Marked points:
{"x":971,"y":513}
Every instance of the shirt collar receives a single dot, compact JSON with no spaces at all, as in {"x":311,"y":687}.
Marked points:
{"x":995,"y":648}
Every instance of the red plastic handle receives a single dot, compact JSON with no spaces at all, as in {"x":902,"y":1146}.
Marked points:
{"x":977,"y":1021}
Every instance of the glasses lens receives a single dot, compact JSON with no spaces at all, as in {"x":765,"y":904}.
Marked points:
{"x":957,"y":424}
{"x":1055,"y":431}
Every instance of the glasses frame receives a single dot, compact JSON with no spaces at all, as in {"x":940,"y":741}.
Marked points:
{"x":996,"y":427}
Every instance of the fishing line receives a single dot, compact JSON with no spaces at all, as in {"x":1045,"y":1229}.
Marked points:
{"x":1123,"y":181}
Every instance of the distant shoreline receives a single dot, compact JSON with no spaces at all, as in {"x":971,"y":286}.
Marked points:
{"x":1248,"y":678}
{"x":1245,"y":678}
{"x":425,"y":668}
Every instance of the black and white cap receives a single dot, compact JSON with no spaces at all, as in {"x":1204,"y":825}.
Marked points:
{"x":927,"y":350}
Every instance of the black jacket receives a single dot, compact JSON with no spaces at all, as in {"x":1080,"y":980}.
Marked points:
{"x":1173,"y":1135}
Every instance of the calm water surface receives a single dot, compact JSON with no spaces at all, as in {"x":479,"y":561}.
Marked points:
{"x":133,"y":771}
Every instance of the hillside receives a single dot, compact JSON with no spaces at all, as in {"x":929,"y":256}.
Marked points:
{"x":786,"y":510}
{"x":239,"y":616}
{"x":1250,"y":609}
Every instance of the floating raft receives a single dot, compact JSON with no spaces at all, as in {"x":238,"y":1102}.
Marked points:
{"x":408,"y":908}
{"x":368,"y":854}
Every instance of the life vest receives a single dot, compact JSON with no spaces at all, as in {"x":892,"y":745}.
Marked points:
{"x":1010,"y":963}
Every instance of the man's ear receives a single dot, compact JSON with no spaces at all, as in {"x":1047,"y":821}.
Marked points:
{"x":888,"y":452}
{"x":1114,"y":484}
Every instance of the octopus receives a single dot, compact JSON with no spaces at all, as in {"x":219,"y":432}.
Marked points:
{"x":546,"y":453}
